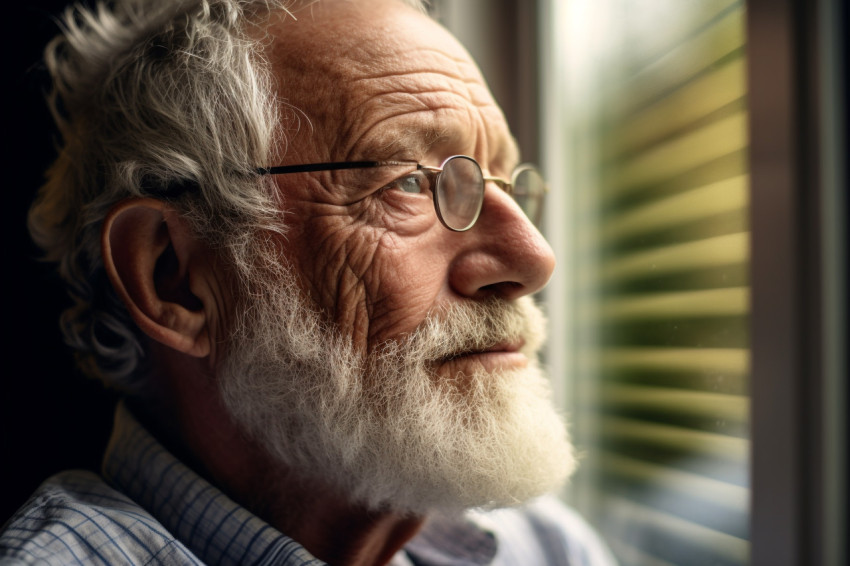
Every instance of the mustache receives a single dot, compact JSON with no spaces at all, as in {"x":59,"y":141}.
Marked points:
{"x":467,"y":327}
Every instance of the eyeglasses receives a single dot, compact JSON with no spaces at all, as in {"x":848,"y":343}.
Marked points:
{"x":457,"y":185}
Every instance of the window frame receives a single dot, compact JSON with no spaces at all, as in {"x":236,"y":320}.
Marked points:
{"x":797,"y":132}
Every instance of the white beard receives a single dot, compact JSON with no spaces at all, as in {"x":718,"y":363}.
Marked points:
{"x":386,"y":429}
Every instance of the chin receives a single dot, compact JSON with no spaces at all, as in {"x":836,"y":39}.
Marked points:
{"x":391,"y":430}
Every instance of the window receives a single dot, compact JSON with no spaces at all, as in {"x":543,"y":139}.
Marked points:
{"x":655,"y":122}
{"x":697,"y":150}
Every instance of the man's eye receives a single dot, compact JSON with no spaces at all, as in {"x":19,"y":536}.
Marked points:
{"x":414,"y":183}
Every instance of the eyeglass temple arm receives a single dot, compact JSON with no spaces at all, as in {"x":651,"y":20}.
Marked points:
{"x":332,"y":166}
{"x":506,"y":186}
{"x":509,"y":187}
{"x":313,"y":167}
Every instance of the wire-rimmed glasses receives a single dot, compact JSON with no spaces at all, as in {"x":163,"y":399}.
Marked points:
{"x":457,"y":185}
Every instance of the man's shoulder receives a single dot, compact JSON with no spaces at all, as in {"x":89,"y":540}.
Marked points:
{"x":547,"y":529}
{"x":76,"y":518}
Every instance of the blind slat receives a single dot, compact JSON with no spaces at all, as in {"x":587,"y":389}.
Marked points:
{"x":704,"y":303}
{"x":729,"y":361}
{"x":701,"y":97}
{"x":730,"y":249}
{"x":712,"y":407}
{"x":700,"y":444}
{"x":676,"y":156}
{"x":678,"y":209}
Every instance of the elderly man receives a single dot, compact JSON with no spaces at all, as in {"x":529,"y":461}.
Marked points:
{"x":291,"y":240}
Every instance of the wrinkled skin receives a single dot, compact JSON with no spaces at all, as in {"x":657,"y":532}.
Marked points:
{"x":356,"y":80}
{"x":392,"y":84}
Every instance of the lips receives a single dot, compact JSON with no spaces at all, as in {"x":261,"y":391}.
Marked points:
{"x":505,"y":348}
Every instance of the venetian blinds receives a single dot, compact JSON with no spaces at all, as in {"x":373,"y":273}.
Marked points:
{"x":661,"y":268}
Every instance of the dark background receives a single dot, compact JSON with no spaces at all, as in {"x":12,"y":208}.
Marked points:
{"x":51,"y":417}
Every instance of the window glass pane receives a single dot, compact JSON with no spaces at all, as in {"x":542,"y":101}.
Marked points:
{"x":653,"y":142}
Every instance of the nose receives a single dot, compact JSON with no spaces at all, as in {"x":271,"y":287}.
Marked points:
{"x":504,"y":254}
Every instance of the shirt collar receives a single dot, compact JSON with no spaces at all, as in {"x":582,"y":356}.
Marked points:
{"x":453,"y":540}
{"x":214,"y":527}
{"x":220,"y":531}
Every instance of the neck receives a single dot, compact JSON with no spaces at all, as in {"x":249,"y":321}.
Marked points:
{"x":198,"y":429}
{"x":338,"y":533}
{"x":318,"y":516}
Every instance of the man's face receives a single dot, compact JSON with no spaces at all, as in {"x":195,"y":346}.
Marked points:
{"x":385,"y":356}
{"x":375,"y":80}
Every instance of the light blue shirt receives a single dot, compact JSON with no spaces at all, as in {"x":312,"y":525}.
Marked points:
{"x":149,"y":508}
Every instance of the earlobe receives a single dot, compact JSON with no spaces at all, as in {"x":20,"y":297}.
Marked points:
{"x":148,"y":253}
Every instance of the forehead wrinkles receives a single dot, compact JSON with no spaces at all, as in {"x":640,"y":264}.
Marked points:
{"x":383,"y":73}
{"x":424,"y":97}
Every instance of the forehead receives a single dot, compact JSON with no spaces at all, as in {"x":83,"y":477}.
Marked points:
{"x":374,"y":79}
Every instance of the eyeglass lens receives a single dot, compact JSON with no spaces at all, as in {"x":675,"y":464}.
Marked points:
{"x":529,"y":189}
{"x":460,"y":193}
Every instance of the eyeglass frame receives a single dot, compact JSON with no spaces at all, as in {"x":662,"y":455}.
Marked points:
{"x":505,"y":185}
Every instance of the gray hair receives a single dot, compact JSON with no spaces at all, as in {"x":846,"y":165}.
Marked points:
{"x":152,"y":96}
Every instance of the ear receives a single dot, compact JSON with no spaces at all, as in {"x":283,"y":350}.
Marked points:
{"x":149,"y":253}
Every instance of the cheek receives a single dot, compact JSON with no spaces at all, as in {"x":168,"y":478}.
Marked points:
{"x":406,"y":280}
{"x":332,"y":255}
{"x":373,"y":282}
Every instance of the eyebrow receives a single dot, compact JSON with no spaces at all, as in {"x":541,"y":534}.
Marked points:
{"x":418,"y":138}
{"x":411,"y":145}
{"x":401,"y":144}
